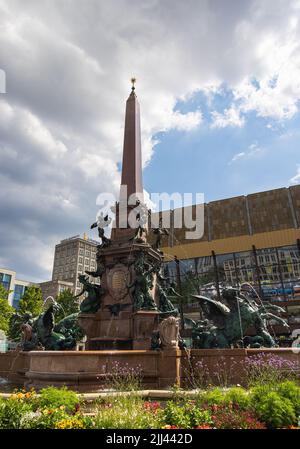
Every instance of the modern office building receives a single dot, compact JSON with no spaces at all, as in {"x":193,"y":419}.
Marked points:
{"x":253,"y":238}
{"x":15,"y":286}
{"x":73,"y":256}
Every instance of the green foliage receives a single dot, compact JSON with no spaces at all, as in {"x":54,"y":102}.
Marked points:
{"x":32,"y":301}
{"x":3,"y":292}
{"x":68,"y":303}
{"x":13,"y":410}
{"x":55,"y":419}
{"x":126,"y":412}
{"x":273,"y":409}
{"x":52,"y":397}
{"x":58,"y":408}
{"x":26,"y":410}
{"x":185,"y":415}
{"x":6,"y":310}
{"x":175,"y":415}
{"x":290,"y":390}
{"x":237,"y":396}
{"x":211,"y":397}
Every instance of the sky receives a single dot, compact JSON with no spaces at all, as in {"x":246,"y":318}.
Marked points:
{"x":218,"y":84}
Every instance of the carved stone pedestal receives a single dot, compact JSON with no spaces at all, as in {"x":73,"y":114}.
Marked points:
{"x":169,"y":368}
{"x":145,"y":322}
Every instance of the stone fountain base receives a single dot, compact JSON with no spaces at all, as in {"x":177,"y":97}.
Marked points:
{"x":87,"y":371}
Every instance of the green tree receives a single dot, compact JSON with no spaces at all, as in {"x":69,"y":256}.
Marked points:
{"x":6,"y":310}
{"x":68,"y":304}
{"x":32,"y":301}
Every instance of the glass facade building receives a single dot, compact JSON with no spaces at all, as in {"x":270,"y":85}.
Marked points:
{"x":15,"y":287}
{"x":273,"y":272}
{"x":5,"y":280}
{"x":18,"y":294}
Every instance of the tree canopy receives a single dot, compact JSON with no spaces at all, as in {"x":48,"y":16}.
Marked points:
{"x":6,"y":310}
{"x":68,"y":304}
{"x":32,"y":301}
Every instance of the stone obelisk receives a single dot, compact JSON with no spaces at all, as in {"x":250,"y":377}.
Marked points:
{"x":132,"y":154}
{"x":126,"y":264}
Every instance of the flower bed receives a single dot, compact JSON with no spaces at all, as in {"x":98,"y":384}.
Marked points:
{"x":260,"y":407}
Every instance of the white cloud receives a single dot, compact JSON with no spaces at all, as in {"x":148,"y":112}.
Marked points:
{"x":230,"y":117}
{"x":296,"y":179}
{"x":238,"y":156}
{"x":252,"y":150}
{"x":68,"y":66}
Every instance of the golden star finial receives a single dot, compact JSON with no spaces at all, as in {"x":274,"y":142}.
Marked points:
{"x":133,"y":81}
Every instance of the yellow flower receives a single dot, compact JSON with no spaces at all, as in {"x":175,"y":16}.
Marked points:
{"x":62,"y":407}
{"x":20,"y":395}
{"x":69,"y":424}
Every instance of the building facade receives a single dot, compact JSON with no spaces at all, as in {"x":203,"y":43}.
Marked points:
{"x":54,"y":288}
{"x":73,"y":256}
{"x":15,"y":286}
{"x":253,"y":239}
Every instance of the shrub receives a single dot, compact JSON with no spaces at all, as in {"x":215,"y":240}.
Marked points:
{"x":291,"y":391}
{"x":211,"y":397}
{"x":54,"y":419}
{"x":55,"y":397}
{"x":232,"y":417}
{"x":175,"y":415}
{"x":238,"y":396}
{"x":199,"y":418}
{"x":13,"y":409}
{"x":54,"y":408}
{"x":186,"y":415}
{"x":274,"y":410}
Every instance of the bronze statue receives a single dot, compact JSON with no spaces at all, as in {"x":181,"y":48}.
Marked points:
{"x":92,"y":302}
{"x":227,"y":324}
{"x":29,"y":339}
{"x":101,"y":223}
{"x":142,"y":284}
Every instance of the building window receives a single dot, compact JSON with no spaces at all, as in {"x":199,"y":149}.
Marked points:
{"x":5,"y":280}
{"x":18,"y":293}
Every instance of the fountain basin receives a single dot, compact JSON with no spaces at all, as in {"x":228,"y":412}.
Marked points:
{"x":87,"y":371}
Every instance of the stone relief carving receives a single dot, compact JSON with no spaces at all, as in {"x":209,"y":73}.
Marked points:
{"x":169,"y":332}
